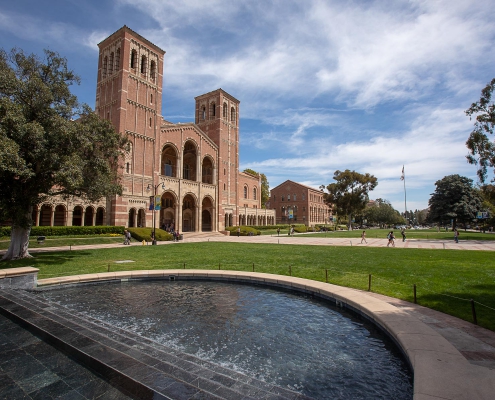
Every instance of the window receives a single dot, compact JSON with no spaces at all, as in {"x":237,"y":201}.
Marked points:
{"x":105,"y":62}
{"x":282,"y":198}
{"x":224,"y":187}
{"x":232,"y":114}
{"x":274,"y":198}
{"x":288,"y":197}
{"x":152,"y":70}
{"x":127,"y":167}
{"x":212,"y":110}
{"x":225,"y":110}
{"x":224,"y":172}
{"x":110,"y":66}
{"x":245,"y":192}
{"x":117,"y":60}
{"x":203,"y":113}
{"x":167,"y":168}
{"x":133,"y":59}
{"x":150,"y":122}
{"x":151,"y":98}
{"x":254,"y":194}
{"x":304,"y":197}
{"x":144,"y":63}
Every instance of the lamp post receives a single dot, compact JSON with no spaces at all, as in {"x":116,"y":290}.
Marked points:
{"x":148,"y":189}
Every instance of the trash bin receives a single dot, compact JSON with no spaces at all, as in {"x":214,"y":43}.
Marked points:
{"x":181,"y":236}
{"x":41,"y":239}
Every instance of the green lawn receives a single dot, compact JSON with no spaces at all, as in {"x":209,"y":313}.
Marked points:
{"x":445,"y":280}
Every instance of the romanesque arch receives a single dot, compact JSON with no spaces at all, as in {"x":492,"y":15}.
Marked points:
{"x":141,"y":218}
{"x":132,"y":218}
{"x":207,"y":215}
{"x":207,"y":170}
{"x":100,"y":216}
{"x":189,"y":161}
{"x":169,"y":160}
{"x":168,"y":211}
{"x":77,"y":216}
{"x":189,"y":210}
{"x":59,"y":217}
{"x":88,"y":216}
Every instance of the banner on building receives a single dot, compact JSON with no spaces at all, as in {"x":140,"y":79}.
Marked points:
{"x":158,"y":202}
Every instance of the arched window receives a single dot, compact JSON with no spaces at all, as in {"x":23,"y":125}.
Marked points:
{"x":110,"y":66}
{"x":151,"y":98}
{"x":117,"y":60}
{"x":152,"y":70}
{"x":225,"y":110}
{"x":232,"y":114}
{"x":245,"y":192}
{"x":150,"y":122}
{"x":212,"y":110}
{"x":105,"y":62}
{"x":288,"y":197}
{"x":295,"y":197}
{"x":254,"y":194}
{"x":144,"y":63}
{"x":282,"y":198}
{"x":203,"y":113}
{"x":133,"y":59}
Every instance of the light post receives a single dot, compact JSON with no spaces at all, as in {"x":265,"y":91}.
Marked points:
{"x":148,"y":189}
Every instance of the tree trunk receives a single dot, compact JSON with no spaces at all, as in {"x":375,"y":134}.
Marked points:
{"x":19,"y":243}
{"x":350,"y":222}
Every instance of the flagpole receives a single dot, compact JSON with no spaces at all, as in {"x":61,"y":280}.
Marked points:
{"x":405,"y":202}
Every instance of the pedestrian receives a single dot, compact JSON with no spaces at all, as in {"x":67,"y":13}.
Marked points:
{"x":403,"y":233}
{"x":363,"y":237}
{"x":391,"y":239}
{"x":278,"y":231}
{"x":238,"y":231}
{"x":456,"y":235}
{"x":127,"y":237}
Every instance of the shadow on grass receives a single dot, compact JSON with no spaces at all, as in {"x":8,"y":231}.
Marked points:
{"x":45,"y":259}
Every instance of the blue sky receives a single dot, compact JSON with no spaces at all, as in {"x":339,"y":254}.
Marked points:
{"x":324,"y":85}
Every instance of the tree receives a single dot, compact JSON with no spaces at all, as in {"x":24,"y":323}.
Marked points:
{"x":349,"y":195}
{"x":43,"y":151}
{"x":454,"y":199}
{"x":265,"y":186}
{"x":482,"y":150}
{"x":383,"y":213}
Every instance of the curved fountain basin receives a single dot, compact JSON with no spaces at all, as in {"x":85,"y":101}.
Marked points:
{"x":440,"y":371}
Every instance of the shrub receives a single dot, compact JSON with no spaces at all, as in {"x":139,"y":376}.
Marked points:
{"x":68,"y":230}
{"x":141,"y":234}
{"x":245,"y":230}
{"x":300,"y":228}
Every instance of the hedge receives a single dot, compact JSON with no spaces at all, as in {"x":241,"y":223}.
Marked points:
{"x":67,"y":230}
{"x":141,"y":234}
{"x":245,"y":231}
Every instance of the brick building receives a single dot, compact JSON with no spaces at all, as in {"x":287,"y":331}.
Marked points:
{"x":299,"y":204}
{"x":194,"y":167}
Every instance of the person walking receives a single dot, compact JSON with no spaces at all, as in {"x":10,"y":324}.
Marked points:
{"x":403,"y":233}
{"x":238,"y":231}
{"x":456,"y":235}
{"x":127,"y":237}
{"x":391,"y":239}
{"x":363,"y":237}
{"x":278,"y":231}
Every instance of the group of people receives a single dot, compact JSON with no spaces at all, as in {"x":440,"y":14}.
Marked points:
{"x":390,"y":237}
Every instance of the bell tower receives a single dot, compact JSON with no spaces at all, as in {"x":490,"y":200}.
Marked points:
{"x":129,"y":94}
{"x":217,"y":114}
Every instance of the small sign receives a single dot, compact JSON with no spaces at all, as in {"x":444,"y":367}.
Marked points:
{"x":482,"y":215}
{"x":291,"y":214}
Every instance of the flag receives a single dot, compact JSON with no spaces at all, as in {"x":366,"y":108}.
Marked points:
{"x":402,"y":177}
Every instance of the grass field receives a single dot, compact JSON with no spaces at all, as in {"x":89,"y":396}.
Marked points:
{"x":445,"y":280}
{"x":425,"y":234}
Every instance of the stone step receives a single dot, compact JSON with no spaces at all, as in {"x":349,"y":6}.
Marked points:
{"x":138,"y":362}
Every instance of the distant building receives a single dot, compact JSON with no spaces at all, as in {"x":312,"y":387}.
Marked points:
{"x":198,"y":163}
{"x":299,"y":204}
